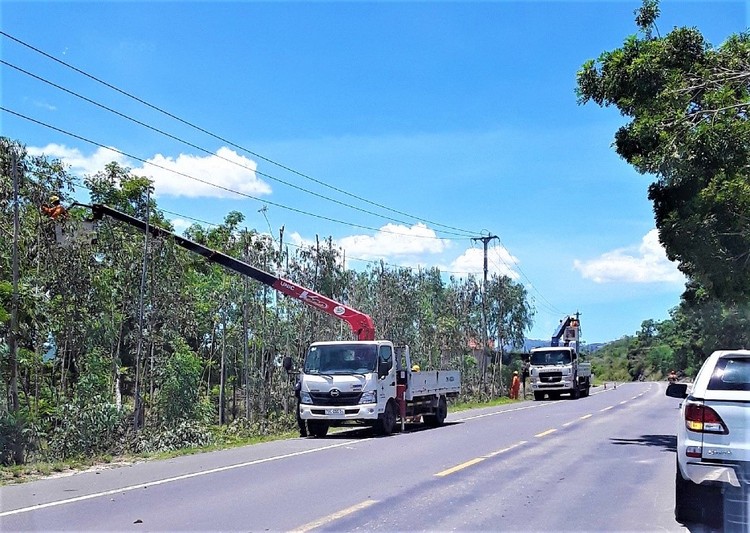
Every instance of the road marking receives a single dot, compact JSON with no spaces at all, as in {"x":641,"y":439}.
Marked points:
{"x":533,"y":406}
{"x":170,"y":479}
{"x":584,"y":417}
{"x":623,"y":402}
{"x":498,"y":452}
{"x":477,"y":460}
{"x":606,"y":409}
{"x":335,"y":516}
{"x":460,"y":467}
{"x":545,"y":433}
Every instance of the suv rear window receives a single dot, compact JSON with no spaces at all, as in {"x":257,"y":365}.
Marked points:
{"x":731,"y":373}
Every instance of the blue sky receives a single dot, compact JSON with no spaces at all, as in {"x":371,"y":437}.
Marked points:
{"x":400,"y":129}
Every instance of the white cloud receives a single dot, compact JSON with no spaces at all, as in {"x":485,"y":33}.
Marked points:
{"x":499,"y":262}
{"x":395,"y":242}
{"x":80,"y":164}
{"x":646,"y":264}
{"x":226,"y":169}
{"x":180,"y":224}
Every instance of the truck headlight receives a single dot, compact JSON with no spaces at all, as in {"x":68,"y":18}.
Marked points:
{"x":368,"y":397}
{"x":304,"y":397}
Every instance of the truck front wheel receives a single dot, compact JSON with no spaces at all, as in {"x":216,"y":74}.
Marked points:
{"x":387,"y":421}
{"x":538,"y":396}
{"x":317,"y":429}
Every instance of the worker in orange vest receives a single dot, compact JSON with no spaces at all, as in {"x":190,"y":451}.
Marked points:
{"x":515,"y":385}
{"x":56,"y":210}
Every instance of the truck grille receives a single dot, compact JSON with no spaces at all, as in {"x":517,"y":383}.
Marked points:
{"x":343,"y":398}
{"x":550,"y":377}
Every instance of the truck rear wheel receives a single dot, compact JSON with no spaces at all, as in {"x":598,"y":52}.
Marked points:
{"x":317,"y":428}
{"x":441,"y":411}
{"x":387,"y":421}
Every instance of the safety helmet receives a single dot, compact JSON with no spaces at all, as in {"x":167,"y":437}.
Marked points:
{"x":515,"y":372}
{"x":415,"y":368}
{"x":54,"y":198}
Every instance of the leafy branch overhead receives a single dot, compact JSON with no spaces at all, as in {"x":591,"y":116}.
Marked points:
{"x":687,"y":103}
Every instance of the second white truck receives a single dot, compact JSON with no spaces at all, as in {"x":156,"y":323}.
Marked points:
{"x":556,"y":369}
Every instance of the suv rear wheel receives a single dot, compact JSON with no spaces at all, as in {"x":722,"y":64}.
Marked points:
{"x":696,"y":503}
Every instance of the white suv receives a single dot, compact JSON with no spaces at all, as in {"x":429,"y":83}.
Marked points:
{"x":713,"y":443}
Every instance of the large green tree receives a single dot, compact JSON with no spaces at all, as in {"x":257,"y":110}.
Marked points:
{"x":687,"y":104}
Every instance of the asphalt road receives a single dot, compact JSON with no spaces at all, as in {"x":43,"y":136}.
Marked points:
{"x":602,"y":463}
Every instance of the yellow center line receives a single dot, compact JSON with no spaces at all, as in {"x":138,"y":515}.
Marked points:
{"x":460,"y":467}
{"x":545,"y":433}
{"x":335,"y":516}
{"x":477,"y":460}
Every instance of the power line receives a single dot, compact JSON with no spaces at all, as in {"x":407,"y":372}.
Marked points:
{"x":276,"y":204}
{"x":204,"y":150}
{"x":300,"y":247}
{"x":222,"y":139}
{"x":531,"y":283}
{"x":254,"y":154}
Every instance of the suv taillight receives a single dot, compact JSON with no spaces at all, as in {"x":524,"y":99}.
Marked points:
{"x":703,"y":419}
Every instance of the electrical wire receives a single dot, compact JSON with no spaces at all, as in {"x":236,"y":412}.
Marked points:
{"x":464,"y":233}
{"x":300,"y":247}
{"x":276,"y":204}
{"x":226,"y":141}
{"x":206,"y":151}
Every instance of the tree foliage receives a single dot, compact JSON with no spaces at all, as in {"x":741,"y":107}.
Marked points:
{"x":687,"y":105}
{"x":113,"y":357}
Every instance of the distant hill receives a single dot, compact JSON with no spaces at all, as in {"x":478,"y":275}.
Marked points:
{"x":530,"y":344}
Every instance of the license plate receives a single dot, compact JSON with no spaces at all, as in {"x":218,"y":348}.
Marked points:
{"x":334,"y":411}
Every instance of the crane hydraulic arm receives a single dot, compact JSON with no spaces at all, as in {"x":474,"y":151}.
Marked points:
{"x":361,"y":324}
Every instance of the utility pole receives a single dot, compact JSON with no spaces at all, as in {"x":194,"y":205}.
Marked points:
{"x":485,"y":241}
{"x":139,"y":348}
{"x":245,"y":339}
{"x":13,"y":337}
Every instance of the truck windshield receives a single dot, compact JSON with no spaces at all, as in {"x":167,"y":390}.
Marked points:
{"x":551,"y":357}
{"x":341,"y":359}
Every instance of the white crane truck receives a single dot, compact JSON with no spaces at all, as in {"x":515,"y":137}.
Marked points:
{"x":370,"y":383}
{"x":366,"y":381}
{"x":556,"y":369}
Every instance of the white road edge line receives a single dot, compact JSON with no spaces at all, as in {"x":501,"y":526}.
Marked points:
{"x":335,"y":516}
{"x":169,"y":480}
